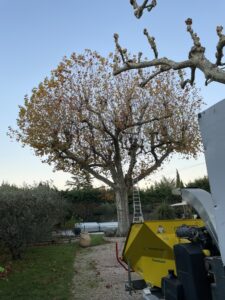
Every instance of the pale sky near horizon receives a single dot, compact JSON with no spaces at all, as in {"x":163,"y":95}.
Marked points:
{"x":36,"y":34}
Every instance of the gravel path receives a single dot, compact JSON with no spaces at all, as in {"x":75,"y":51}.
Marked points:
{"x":98,"y":276}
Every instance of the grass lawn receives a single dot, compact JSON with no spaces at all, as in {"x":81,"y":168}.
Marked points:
{"x":97,"y":239}
{"x":45,"y":273}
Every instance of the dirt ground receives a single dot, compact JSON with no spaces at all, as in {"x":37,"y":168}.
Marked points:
{"x":98,"y":276}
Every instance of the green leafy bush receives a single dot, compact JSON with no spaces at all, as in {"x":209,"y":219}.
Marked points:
{"x":27,"y":215}
{"x":201,"y":183}
{"x":164,"y":212}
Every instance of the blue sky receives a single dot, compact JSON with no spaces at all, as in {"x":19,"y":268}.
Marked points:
{"x":36,"y":34}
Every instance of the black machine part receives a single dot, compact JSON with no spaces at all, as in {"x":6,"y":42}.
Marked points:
{"x":191,"y":271}
{"x":172,"y":287}
{"x":198,"y":235}
{"x":216,"y":272}
{"x":198,"y":277}
{"x":189,"y":232}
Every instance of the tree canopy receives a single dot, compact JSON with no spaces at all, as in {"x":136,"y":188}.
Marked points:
{"x":84,"y":119}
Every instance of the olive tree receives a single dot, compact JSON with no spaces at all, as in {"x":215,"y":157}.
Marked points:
{"x":27,"y":216}
{"x":84,"y":119}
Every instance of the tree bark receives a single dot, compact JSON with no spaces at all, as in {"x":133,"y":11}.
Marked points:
{"x":122,"y":210}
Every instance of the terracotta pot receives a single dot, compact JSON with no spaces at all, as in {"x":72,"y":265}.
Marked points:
{"x":85,"y":239}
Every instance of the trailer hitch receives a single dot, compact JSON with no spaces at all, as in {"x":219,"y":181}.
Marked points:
{"x":130,"y":285}
{"x":119,"y":259}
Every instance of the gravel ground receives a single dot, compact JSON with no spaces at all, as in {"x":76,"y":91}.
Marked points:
{"x":98,"y":275}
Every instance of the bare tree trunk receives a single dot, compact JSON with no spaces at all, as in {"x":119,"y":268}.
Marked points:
{"x":122,"y":210}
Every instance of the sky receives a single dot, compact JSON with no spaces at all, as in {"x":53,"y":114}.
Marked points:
{"x":36,"y":34}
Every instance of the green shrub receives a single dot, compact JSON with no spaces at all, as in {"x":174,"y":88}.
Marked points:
{"x":201,"y":183}
{"x":27,"y":216}
{"x":164,"y":212}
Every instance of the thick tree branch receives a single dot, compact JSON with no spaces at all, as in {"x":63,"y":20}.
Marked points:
{"x":83,"y":164}
{"x":65,"y":153}
{"x":196,"y":60}
{"x":107,"y":158}
{"x":153,"y":148}
{"x":140,"y":123}
{"x":106,"y":129}
{"x":115,"y":142}
{"x":116,"y":147}
{"x":98,"y":114}
{"x":91,"y":144}
{"x":118,"y":159}
{"x":161,"y":70}
{"x":99,"y":176}
{"x":133,"y":160}
{"x":157,"y":164}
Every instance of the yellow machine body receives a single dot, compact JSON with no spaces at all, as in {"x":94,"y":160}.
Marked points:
{"x":149,"y":248}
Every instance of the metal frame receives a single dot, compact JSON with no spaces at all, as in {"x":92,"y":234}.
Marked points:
{"x":202,"y":202}
{"x":212,"y":126}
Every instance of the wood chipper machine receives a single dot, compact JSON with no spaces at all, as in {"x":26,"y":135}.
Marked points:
{"x":184,"y":259}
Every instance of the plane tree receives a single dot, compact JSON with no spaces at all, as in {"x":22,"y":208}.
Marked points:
{"x":212,"y":70}
{"x":82,"y":119}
